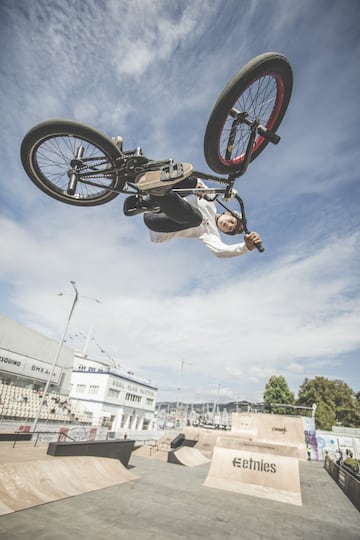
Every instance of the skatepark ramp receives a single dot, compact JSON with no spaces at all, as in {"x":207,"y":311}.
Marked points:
{"x":203,"y":439}
{"x":260,"y":457}
{"x":187,"y":456}
{"x":165,"y":450}
{"x":152,"y":452}
{"x":275,"y":429}
{"x":29,"y":477}
{"x":159,"y":450}
{"x":257,"y":469}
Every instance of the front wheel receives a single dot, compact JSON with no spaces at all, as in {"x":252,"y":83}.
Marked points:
{"x":60,"y":156}
{"x":261,"y":92}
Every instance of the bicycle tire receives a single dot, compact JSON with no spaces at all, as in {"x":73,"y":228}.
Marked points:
{"x":46,"y":154}
{"x":262,"y":88}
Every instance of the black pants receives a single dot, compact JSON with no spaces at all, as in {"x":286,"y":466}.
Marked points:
{"x":176,"y":214}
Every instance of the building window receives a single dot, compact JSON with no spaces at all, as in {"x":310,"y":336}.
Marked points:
{"x":80,"y":388}
{"x":114,"y":393}
{"x":132,"y":397}
{"x":93,"y":389}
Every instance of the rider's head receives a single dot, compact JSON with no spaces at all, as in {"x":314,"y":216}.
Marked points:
{"x":229,"y":224}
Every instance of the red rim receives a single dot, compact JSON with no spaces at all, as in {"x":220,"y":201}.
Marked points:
{"x":269,"y":124}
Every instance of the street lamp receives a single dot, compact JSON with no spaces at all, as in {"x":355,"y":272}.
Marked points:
{"x":179,"y":387}
{"x":76,"y":296}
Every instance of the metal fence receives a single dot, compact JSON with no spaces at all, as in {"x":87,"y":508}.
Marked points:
{"x":349,"y":484}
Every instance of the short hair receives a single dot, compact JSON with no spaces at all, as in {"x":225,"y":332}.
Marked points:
{"x":239,"y":227}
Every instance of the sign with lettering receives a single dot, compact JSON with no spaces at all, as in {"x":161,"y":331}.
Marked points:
{"x":271,"y":428}
{"x":25,"y":366}
{"x":254,"y":469}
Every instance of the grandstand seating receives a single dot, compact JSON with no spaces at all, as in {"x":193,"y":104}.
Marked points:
{"x":22,"y":403}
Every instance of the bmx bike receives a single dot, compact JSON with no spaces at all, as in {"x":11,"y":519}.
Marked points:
{"x":78,"y":165}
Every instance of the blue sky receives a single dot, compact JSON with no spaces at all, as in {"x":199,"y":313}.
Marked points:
{"x":151,"y":70}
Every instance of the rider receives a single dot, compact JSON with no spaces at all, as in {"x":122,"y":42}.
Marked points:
{"x":168,"y":215}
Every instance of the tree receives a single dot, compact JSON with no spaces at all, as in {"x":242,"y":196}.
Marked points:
{"x":336,"y":402}
{"x":325,"y":416}
{"x":277,"y":391}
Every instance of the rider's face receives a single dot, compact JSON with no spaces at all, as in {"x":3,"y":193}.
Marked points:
{"x":226,"y":222}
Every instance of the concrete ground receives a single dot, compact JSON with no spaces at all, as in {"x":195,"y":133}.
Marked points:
{"x":169,"y":502}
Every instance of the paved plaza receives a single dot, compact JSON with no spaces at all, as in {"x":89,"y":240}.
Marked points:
{"x":170,"y":502}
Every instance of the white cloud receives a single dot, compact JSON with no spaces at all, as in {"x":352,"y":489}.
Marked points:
{"x":152,"y":75}
{"x":152,"y":315}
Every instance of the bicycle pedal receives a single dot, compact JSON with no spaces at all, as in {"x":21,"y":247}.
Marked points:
{"x":171,"y":172}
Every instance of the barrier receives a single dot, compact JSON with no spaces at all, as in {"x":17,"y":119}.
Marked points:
{"x":15,"y":436}
{"x":349,"y":485}
{"x":177,"y":441}
{"x":111,"y":449}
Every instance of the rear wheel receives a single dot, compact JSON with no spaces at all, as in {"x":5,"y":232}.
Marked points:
{"x":261,"y":90}
{"x":60,"y":155}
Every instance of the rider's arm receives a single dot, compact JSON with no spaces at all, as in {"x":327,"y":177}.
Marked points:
{"x":221,"y":250}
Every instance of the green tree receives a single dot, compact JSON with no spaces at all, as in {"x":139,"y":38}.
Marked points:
{"x":336,"y":402}
{"x":277,"y":391}
{"x":325,"y":416}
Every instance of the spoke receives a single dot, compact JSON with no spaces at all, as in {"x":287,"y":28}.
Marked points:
{"x":53,"y":160}
{"x":259,"y":102}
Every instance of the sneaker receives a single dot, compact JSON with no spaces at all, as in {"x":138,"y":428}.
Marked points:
{"x":135,"y":204}
{"x":159,"y":182}
{"x":118,"y":141}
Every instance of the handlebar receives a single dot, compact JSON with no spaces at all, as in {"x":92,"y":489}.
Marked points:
{"x":236,"y":196}
{"x":269,"y":135}
{"x":258,"y":245}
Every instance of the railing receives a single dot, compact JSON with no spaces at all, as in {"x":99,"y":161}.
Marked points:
{"x":63,"y":435}
{"x":162,"y":447}
{"x":348,"y":483}
{"x":38,"y":435}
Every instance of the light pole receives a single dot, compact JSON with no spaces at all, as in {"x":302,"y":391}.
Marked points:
{"x":56,"y":356}
{"x":179,"y":387}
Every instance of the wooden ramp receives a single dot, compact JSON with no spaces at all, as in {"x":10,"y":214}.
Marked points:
{"x":185,"y":455}
{"x":189,"y":457}
{"x":257,"y":469}
{"x":277,"y":429}
{"x":205,"y":439}
{"x":29,"y":477}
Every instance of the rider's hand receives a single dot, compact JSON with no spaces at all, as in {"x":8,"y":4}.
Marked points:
{"x":207,"y":195}
{"x":200,"y":185}
{"x":251,"y":239}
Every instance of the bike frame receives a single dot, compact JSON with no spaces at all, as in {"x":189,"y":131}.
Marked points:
{"x":136,"y":158}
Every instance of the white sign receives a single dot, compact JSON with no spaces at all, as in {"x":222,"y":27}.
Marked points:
{"x":24,"y":366}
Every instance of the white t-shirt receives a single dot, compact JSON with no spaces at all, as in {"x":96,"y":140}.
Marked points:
{"x":207,"y":232}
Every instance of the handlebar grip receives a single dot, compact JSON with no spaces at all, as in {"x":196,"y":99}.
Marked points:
{"x":269,"y":135}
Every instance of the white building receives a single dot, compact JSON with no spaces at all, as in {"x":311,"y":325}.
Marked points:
{"x":110,"y":397}
{"x":26,"y":358}
{"x":107,"y":396}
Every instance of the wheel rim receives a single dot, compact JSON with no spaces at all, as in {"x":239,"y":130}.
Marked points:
{"x":52,"y":158}
{"x":263,"y":98}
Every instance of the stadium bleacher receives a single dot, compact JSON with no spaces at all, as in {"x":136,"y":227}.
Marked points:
{"x":22,"y":403}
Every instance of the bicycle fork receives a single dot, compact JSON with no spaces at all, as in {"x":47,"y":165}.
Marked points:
{"x":75,"y":163}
